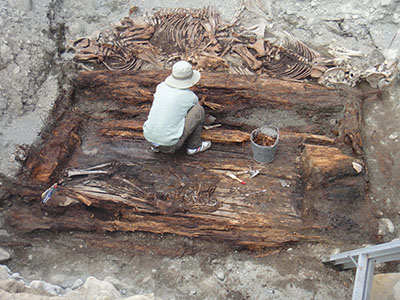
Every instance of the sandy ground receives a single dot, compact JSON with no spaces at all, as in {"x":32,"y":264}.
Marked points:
{"x":33,"y":68}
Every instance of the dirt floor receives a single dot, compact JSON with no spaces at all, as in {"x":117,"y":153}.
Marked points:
{"x":169,"y":266}
{"x":180,"y":268}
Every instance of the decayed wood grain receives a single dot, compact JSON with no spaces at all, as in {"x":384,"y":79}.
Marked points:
{"x":191,"y":195}
{"x":133,"y":128}
{"x":226,"y":89}
{"x":322,"y":164}
{"x":56,"y":151}
{"x":237,"y":93}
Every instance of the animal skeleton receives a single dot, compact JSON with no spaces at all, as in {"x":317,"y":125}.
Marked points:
{"x":340,"y":75}
{"x":199,"y":36}
{"x":342,"y":53}
{"x":382,"y":76}
{"x":186,"y":29}
{"x":126,"y":49}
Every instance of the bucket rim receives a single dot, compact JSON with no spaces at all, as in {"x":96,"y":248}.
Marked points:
{"x":276,"y":128}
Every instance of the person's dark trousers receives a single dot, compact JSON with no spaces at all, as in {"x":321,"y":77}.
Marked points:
{"x":191,"y":132}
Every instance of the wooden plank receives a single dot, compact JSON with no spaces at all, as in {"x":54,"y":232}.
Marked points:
{"x":133,"y":128}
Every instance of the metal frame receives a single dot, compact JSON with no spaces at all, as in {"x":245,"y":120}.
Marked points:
{"x":364,"y":260}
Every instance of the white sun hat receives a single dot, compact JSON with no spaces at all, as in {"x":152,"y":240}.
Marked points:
{"x":183,"y":76}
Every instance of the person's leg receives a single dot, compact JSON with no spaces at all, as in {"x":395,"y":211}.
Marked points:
{"x":165,"y":149}
{"x":191,"y":132}
{"x":194,"y":141}
{"x":194,"y":126}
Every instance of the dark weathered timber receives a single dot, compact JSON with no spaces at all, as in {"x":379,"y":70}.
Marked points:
{"x":240,"y":93}
{"x":54,"y":154}
{"x":192,"y":195}
{"x":226,"y":89}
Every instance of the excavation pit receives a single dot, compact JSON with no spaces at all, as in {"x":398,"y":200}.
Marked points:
{"x":109,"y":180}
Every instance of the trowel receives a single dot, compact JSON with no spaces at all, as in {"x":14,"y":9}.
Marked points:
{"x":252,"y":173}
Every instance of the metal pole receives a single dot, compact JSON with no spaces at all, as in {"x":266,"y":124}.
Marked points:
{"x":364,"y":275}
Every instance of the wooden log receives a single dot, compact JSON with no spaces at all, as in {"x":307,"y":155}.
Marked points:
{"x":226,"y":89}
{"x":220,"y":135}
{"x":335,"y":191}
{"x":56,"y":151}
{"x":323,"y":164}
{"x":134,"y":128}
{"x":124,"y":124}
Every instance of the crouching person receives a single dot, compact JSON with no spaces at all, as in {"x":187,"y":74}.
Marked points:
{"x":176,"y":116}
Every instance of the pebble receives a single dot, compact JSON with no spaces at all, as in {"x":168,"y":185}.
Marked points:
{"x":385,"y":226}
{"x":4,"y":272}
{"x":77,"y":284}
{"x":284,"y":183}
{"x":332,"y":122}
{"x":220,"y":275}
{"x":393,"y":136}
{"x":90,"y":152}
{"x":335,"y":251}
{"x":4,"y":255}
{"x":146,"y":279}
{"x":49,"y":288}
{"x":97,"y":289}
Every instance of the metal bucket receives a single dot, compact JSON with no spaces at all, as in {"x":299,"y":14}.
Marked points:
{"x":264,"y":154}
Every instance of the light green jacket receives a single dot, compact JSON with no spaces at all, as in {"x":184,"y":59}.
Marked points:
{"x":166,"y":120}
